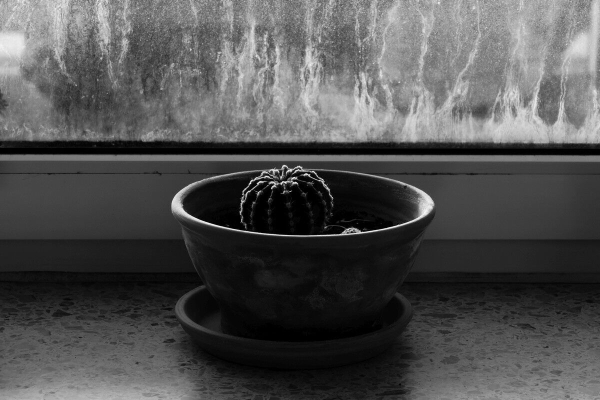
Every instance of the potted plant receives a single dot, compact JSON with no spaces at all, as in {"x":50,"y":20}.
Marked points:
{"x":296,"y":255}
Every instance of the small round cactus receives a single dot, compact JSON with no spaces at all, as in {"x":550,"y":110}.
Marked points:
{"x":290,"y":201}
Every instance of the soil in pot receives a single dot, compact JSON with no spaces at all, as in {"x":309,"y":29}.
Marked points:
{"x":341,"y":220}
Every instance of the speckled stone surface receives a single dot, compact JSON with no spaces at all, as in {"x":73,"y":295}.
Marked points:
{"x":465,"y":341}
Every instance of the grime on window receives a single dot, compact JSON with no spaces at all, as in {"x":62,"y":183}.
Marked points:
{"x":392,"y":73}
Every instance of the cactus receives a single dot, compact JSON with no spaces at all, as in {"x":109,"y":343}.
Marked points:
{"x":291,"y":201}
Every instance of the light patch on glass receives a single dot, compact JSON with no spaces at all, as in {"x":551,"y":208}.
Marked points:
{"x":12,"y":45}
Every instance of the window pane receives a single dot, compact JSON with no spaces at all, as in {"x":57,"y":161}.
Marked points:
{"x":408,"y":72}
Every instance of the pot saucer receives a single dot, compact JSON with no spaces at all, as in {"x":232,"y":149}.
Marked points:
{"x":200,"y":317}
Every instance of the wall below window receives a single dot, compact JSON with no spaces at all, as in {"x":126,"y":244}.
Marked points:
{"x":502,"y":214}
{"x":438,"y":259}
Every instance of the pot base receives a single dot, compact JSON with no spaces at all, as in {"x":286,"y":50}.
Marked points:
{"x":240,"y":325}
{"x":200,"y":317}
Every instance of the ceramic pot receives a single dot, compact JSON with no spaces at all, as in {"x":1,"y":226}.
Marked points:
{"x":304,"y":287}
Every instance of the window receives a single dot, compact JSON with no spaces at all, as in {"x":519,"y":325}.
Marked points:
{"x":392,"y":73}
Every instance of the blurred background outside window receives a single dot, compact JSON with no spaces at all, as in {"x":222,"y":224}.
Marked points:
{"x":408,"y":73}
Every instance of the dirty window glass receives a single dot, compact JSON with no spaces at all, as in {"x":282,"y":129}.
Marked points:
{"x":392,"y":72}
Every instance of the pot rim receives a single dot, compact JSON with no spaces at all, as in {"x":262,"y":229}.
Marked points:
{"x":188,"y":221}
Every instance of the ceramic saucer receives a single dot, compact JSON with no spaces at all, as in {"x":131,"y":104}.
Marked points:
{"x":200,"y":317}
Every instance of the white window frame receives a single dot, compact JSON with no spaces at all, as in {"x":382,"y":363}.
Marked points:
{"x":495,"y":213}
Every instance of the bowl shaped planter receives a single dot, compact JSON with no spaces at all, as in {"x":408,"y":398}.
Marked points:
{"x":303,"y":287}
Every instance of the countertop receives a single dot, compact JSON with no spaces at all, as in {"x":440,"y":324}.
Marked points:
{"x":121,"y":340}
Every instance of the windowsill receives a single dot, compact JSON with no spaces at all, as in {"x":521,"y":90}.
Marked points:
{"x":520,"y":213}
{"x":113,"y":340}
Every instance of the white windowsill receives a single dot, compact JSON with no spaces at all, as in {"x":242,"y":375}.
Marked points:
{"x":382,"y":164}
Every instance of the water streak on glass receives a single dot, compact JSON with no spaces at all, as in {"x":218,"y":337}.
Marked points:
{"x":300,"y":71}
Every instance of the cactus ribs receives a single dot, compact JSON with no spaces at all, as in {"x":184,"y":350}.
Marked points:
{"x":291,"y":201}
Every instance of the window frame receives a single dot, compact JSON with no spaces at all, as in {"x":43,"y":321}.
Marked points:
{"x":85,"y":200}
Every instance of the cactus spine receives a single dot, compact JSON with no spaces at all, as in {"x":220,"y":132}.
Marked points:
{"x":291,"y":201}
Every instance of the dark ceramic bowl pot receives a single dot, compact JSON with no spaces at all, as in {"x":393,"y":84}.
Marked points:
{"x":304,"y":287}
